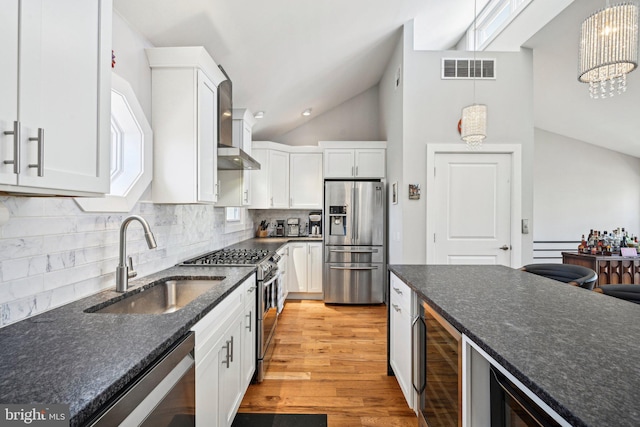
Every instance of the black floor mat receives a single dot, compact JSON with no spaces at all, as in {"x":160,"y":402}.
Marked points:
{"x":280,"y":420}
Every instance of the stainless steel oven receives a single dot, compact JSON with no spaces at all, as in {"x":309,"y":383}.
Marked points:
{"x":270,"y":296}
{"x":269,"y":292}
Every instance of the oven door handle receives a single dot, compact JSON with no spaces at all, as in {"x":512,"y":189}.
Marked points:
{"x":419,"y":354}
{"x":373,"y":267}
{"x":275,"y":277}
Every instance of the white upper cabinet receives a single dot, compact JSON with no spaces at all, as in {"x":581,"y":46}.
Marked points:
{"x":339,"y":163}
{"x":357,"y":163}
{"x":290,"y":177}
{"x":278,"y":179}
{"x":370,"y":163}
{"x":55,"y":104}
{"x":354,"y":160}
{"x":270,"y":185}
{"x":305,"y":183}
{"x":185,"y":122}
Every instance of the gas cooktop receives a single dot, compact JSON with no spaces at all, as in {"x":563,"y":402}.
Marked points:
{"x":230,"y":257}
{"x":265,"y":261}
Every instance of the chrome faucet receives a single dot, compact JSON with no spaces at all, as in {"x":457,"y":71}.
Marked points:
{"x":124,"y":271}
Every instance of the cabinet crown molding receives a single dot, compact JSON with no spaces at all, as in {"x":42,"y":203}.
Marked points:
{"x":185,"y":57}
{"x":352,"y":144}
{"x":244,"y":114}
{"x":286,"y":148}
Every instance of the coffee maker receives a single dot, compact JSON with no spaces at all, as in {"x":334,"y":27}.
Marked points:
{"x":315,"y":224}
{"x":294,"y":227}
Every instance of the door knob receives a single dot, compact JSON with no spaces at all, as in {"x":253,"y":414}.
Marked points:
{"x":505,"y":247}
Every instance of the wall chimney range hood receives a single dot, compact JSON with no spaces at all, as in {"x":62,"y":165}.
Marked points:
{"x":233,"y":158}
{"x":230,"y":157}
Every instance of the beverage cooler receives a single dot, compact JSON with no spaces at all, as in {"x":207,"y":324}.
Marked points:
{"x":354,"y":242}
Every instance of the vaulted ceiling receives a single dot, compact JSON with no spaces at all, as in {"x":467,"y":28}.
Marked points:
{"x":284,"y":56}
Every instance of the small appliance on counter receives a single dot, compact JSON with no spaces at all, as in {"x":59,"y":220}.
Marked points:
{"x":293,"y":225}
{"x":315,"y":224}
{"x":280,"y":228}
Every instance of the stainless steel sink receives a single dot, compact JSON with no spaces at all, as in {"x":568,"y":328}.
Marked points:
{"x":165,"y":297}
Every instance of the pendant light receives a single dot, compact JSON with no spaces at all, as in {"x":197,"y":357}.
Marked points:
{"x":609,"y":49}
{"x":473,"y":128}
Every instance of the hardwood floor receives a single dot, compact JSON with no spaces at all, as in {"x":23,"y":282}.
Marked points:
{"x":331,"y":360}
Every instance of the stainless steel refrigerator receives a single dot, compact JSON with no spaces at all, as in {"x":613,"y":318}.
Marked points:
{"x":354,"y":242}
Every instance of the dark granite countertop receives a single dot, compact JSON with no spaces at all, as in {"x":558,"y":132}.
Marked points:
{"x":82,"y":359}
{"x":573,"y":348}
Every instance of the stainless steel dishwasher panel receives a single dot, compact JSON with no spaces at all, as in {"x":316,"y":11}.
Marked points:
{"x":162,"y":396}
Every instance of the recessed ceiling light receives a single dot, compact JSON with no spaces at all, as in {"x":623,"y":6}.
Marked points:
{"x":307,"y":112}
{"x":259,"y":115}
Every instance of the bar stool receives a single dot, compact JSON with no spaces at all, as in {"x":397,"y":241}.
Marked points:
{"x":575,"y":275}
{"x":626,"y":292}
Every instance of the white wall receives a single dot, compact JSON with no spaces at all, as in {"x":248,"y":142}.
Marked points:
{"x":131,"y":61}
{"x":391,"y":123}
{"x":579,"y":187}
{"x":432,"y":108}
{"x":354,"y":120}
{"x":52,"y":253}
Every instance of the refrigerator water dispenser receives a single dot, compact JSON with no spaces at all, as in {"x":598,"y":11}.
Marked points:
{"x":338,"y":220}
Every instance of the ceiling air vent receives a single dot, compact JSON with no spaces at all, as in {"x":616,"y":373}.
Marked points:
{"x":463,"y":68}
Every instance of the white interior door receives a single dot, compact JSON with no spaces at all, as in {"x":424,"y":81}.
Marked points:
{"x":472,"y":206}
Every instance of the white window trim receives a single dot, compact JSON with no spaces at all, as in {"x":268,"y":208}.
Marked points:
{"x":234,"y":226}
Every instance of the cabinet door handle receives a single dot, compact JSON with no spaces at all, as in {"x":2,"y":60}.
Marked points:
{"x":356,"y":171}
{"x":272,"y":202}
{"x":228,"y":356}
{"x":291,"y":201}
{"x":246,"y":196}
{"x":251,"y":289}
{"x":16,"y":147}
{"x":396,"y":308}
{"x":397,"y":290}
{"x":352,"y":174}
{"x":40,"y":140}
{"x":232,"y":348}
{"x":249,"y":325}
{"x":418,"y":354}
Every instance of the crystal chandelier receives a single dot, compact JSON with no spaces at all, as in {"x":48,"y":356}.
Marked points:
{"x":609,"y":49}
{"x":474,"y":124}
{"x":473,"y":129}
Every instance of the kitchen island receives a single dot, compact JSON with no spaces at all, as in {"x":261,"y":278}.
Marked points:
{"x":575,"y":349}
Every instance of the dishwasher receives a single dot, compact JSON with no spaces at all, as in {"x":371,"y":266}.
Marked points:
{"x":163,"y":395}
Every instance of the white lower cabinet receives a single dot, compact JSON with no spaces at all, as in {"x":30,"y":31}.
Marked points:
{"x":225,"y":356}
{"x":248,"y":353}
{"x":401,"y":309}
{"x":305,"y":268}
{"x":283,"y":268}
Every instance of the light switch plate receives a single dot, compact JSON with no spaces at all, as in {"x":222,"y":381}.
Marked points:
{"x":525,"y":226}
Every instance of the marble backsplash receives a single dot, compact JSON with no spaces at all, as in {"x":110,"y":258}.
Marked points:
{"x":53,"y":253}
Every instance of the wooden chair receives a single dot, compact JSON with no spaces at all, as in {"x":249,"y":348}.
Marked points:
{"x":575,"y":275}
